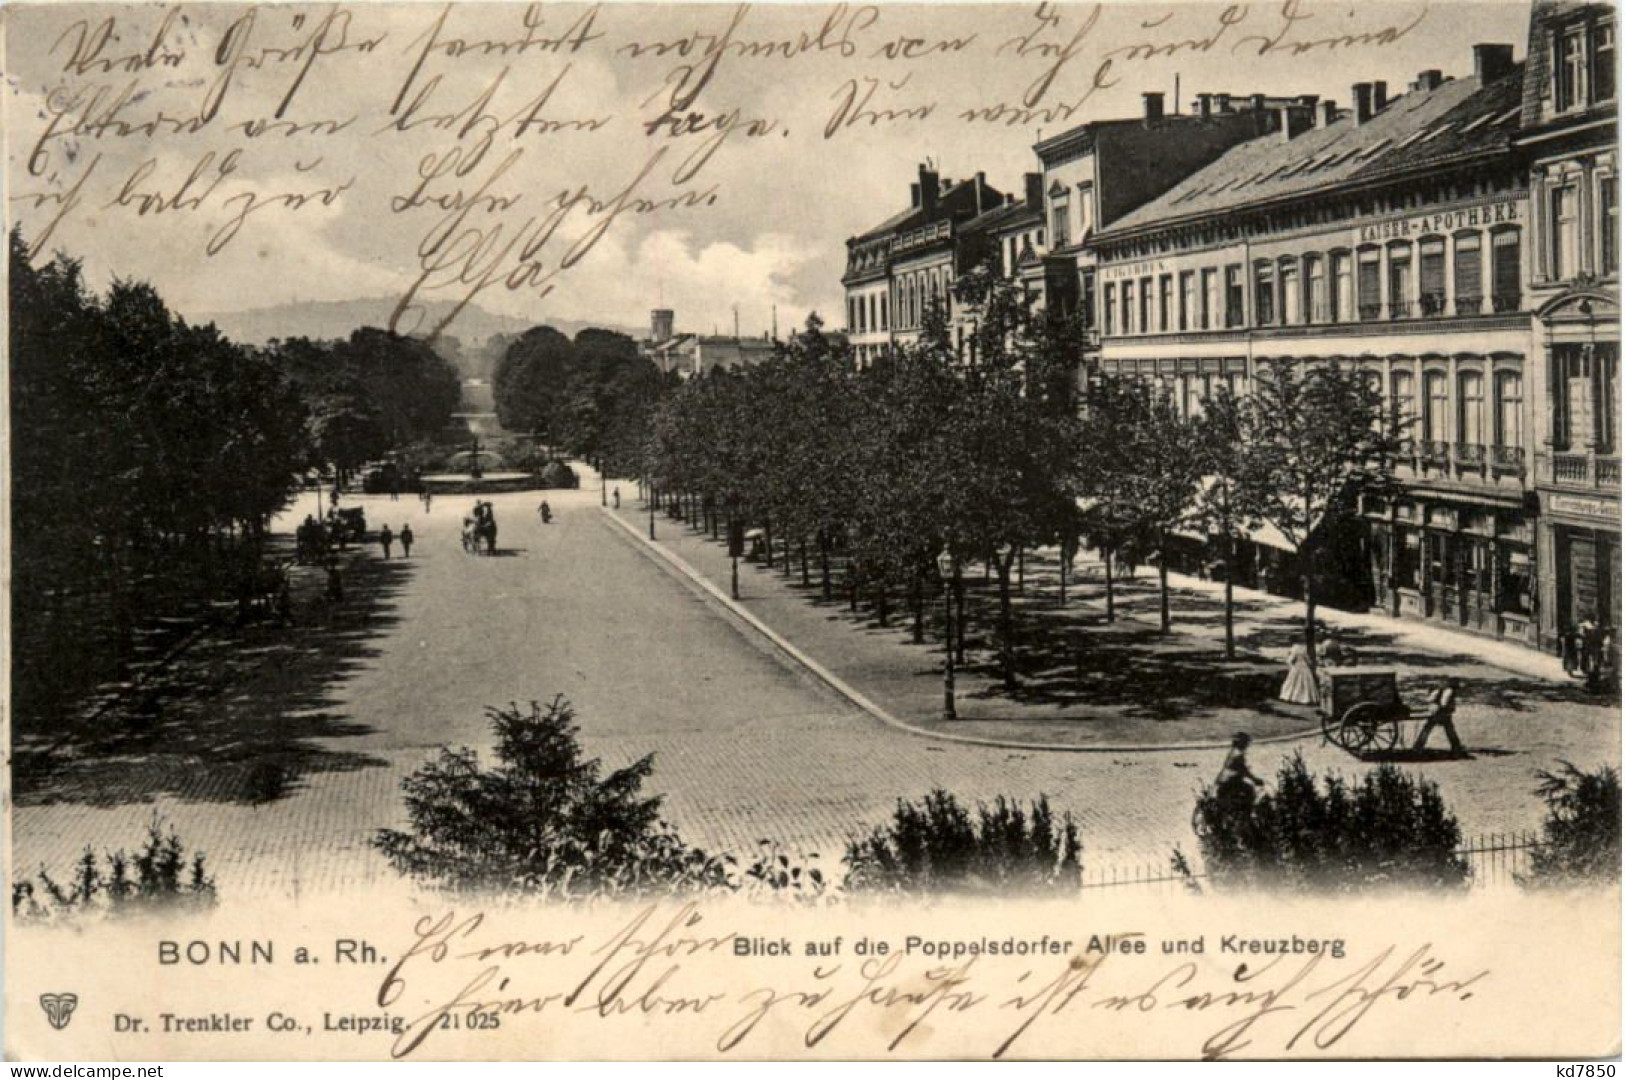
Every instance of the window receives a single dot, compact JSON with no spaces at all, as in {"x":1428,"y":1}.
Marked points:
{"x":1399,"y":281}
{"x":1565,"y":231}
{"x":1470,"y":414}
{"x":1403,"y":405}
{"x":1060,"y":222}
{"x":1263,"y":294}
{"x":1237,"y":381}
{"x":1107,"y":310}
{"x":1234,"y":313}
{"x":1602,"y":63}
{"x":1342,"y":296}
{"x":1370,"y":284}
{"x":852,"y":313}
{"x":1318,"y":306}
{"x":1187,"y":299}
{"x":1087,"y":289}
{"x":1608,"y":223}
{"x":1431,"y":271}
{"x":1469,"y":274}
{"x":1165,"y":303}
{"x":1506,"y":267}
{"x":874,"y":311}
{"x":1408,"y":559}
{"x":1210,"y":300}
{"x":1291,"y":294}
{"x":1517,"y":595}
{"x":1086,"y":191}
{"x":1145,"y":305}
{"x":1436,"y":408}
{"x":1128,"y":307}
{"x":1569,"y":68}
{"x":1509,"y":408}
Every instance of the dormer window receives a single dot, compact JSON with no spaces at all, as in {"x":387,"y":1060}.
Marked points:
{"x":1582,"y":65}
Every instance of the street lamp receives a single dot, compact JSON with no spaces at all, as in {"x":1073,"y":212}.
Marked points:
{"x":945,"y":569}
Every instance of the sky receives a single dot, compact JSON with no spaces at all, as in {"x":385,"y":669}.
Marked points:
{"x":750,"y":186}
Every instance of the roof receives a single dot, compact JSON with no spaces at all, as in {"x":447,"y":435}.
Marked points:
{"x":892,"y":224}
{"x":1008,"y":216}
{"x":1457,"y":120}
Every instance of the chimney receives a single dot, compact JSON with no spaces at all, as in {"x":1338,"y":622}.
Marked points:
{"x":1431,"y":79}
{"x":981,"y":189}
{"x":1204,"y":106}
{"x":1362,"y":102}
{"x":1153,"y":104}
{"x":1328,"y":112}
{"x":914,"y":195}
{"x":661,"y":321}
{"x":1286,"y":112}
{"x":1223,"y":101}
{"x":1379,"y":97}
{"x":1035,"y":191}
{"x":1255,"y":102}
{"x":1490,"y":62}
{"x":930,"y":188}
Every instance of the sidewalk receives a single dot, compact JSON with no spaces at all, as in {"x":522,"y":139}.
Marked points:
{"x":1085,"y":685}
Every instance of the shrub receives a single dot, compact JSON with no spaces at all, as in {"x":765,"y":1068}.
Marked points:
{"x":542,"y":821}
{"x":936,"y":846}
{"x":1387,"y":829}
{"x":1580,"y":836}
{"x":556,"y":474}
{"x":157,"y":875}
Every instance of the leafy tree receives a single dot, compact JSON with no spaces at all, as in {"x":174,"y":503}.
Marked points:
{"x":1227,"y":504}
{"x":936,"y":845}
{"x":1580,"y":836}
{"x":1387,"y":829}
{"x":1106,"y":472}
{"x":542,"y":820}
{"x":1163,"y":479}
{"x":1316,"y":432}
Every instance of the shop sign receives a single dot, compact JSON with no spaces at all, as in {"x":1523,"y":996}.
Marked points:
{"x":1584,"y":506}
{"x":1439,"y":222}
{"x":1143,"y":268}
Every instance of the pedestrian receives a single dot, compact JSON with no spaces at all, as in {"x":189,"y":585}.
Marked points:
{"x":1443,"y":714}
{"x":406,"y":541}
{"x":1236,"y":785}
{"x":386,"y":538}
{"x":428,"y":497}
{"x":1299,"y":687}
{"x":617,"y":498}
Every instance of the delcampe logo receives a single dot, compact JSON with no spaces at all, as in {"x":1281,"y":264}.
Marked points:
{"x":59,"y":1008}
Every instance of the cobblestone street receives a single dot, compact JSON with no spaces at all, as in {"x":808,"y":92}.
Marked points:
{"x":749,"y":745}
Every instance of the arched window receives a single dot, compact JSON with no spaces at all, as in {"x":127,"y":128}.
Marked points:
{"x":1506,"y":269}
{"x":1291,"y":293}
{"x":1263,"y":293}
{"x":1317,"y":306}
{"x":1436,"y":407}
{"x":1469,"y":273}
{"x":1509,"y":408}
{"x":1470,"y":409}
{"x":1399,"y":281}
{"x":1430,"y":258}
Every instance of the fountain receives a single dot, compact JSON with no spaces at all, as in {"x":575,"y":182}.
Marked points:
{"x":479,"y":468}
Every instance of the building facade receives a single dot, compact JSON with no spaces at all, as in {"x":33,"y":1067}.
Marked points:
{"x":1569,"y":133}
{"x":1394,"y":237}
{"x":896,"y":271}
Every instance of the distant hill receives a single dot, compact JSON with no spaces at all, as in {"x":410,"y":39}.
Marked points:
{"x":337,"y":318}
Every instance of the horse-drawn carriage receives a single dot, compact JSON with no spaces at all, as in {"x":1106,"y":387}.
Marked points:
{"x":1360,"y":709}
{"x":353,"y":521}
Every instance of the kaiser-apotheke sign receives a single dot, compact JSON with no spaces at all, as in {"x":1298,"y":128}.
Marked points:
{"x":1442,"y":222}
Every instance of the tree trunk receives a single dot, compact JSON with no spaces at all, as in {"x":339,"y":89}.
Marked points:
{"x":1111,"y":594}
{"x":1162,"y":579}
{"x":787,"y":567}
{"x":1229,"y":596}
{"x":767,"y":537}
{"x":852,"y":586}
{"x":823,"y":565}
{"x":959,"y":618}
{"x":1007,"y":626}
{"x":1065,"y":562}
{"x":882,"y":608}
{"x":806,"y":579}
{"x":1307,"y":555}
{"x":1021,"y":571}
{"x":916,"y":600}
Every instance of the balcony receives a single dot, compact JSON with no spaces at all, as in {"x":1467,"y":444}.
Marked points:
{"x":1432,"y":304}
{"x":1507,"y":460}
{"x":1469,"y":455}
{"x":1469,"y":305}
{"x":1370,"y":312}
{"x":1434,"y":453}
{"x":1399,"y":309}
{"x":1577,"y":469}
{"x":1506,"y":302}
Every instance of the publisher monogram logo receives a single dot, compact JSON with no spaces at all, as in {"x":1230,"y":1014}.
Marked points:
{"x":59,"y":1008}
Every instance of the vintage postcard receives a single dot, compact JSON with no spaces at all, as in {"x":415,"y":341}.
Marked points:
{"x":830,"y":530}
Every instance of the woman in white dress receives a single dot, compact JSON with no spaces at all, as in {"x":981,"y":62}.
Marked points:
{"x":1299,"y":687}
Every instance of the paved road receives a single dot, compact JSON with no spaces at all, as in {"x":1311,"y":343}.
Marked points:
{"x":747,"y":745}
